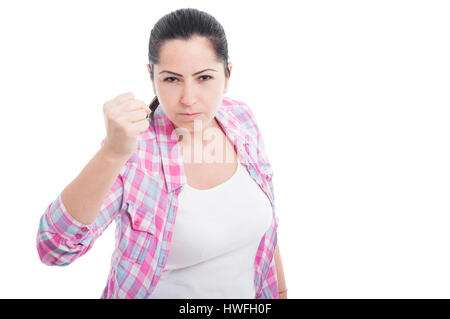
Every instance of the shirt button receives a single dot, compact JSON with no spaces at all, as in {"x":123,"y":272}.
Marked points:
{"x":78,"y":236}
{"x":84,"y":229}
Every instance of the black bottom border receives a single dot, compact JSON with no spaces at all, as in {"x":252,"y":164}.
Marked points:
{"x":229,"y":308}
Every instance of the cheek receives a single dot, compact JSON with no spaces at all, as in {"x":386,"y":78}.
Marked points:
{"x":165,"y":92}
{"x":167,"y":98}
{"x":212,"y":97}
{"x":216,"y":86}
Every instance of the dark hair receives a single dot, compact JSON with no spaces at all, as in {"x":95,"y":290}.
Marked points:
{"x":184,"y":24}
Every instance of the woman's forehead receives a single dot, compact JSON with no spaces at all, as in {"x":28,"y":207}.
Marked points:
{"x":195,"y":49}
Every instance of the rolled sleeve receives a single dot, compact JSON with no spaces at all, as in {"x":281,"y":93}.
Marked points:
{"x":61,"y":239}
{"x":66,"y":225}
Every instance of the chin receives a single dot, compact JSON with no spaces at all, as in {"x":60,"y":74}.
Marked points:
{"x":190,"y":125}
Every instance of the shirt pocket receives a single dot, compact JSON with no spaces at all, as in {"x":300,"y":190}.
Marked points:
{"x":138,"y":231}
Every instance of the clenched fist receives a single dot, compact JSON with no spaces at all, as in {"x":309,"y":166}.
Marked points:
{"x":125,"y":119}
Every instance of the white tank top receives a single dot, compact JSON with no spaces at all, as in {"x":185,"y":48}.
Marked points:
{"x":215,"y":238}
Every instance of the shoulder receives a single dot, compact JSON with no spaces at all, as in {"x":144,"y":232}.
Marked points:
{"x":242,"y":113}
{"x":244,"y":116}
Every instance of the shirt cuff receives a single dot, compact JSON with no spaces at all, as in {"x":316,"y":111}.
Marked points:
{"x":66,"y":226}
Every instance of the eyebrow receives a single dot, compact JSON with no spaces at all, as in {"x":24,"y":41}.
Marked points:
{"x":192,"y":74}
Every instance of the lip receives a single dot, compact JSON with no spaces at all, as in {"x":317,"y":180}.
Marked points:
{"x":189,"y":115}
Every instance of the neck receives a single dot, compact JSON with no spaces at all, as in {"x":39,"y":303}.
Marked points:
{"x":197,"y":137}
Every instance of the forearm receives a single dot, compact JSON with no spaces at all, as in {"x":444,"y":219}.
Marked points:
{"x":280,"y":274}
{"x":84,"y":196}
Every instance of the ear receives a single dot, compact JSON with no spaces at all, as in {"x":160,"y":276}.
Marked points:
{"x":148,"y":68}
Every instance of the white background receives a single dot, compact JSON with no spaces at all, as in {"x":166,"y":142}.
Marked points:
{"x":352,"y":98}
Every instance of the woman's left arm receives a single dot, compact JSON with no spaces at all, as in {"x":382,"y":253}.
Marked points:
{"x":282,"y":289}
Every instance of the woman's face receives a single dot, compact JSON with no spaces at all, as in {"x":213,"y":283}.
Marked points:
{"x":189,"y":79}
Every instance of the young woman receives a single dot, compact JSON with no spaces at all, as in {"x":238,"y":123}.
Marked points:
{"x":187,"y":182}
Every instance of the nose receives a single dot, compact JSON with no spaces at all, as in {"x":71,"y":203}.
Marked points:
{"x":188,"y":94}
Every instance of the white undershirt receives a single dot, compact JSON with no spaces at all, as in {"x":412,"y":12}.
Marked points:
{"x":215,"y":238}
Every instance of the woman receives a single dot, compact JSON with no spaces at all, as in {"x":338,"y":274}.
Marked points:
{"x":194,"y":157}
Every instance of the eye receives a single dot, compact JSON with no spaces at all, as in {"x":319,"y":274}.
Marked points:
{"x":170,"y":77}
{"x":208,"y":77}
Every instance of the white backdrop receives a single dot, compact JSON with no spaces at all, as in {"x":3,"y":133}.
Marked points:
{"x":352,"y":98}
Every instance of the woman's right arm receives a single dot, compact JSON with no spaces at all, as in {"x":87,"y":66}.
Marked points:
{"x":84,"y":209}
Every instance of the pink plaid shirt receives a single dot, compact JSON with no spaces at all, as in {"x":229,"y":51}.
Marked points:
{"x":143,"y":202}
